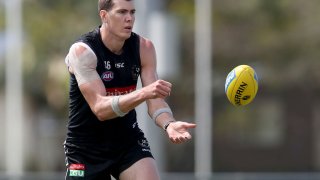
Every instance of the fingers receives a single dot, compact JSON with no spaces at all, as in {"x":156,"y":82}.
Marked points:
{"x":181,"y":138}
{"x":189,"y":125}
{"x":163,"y":87}
{"x":178,"y":132}
{"x":164,"y":83}
{"x":159,"y":89}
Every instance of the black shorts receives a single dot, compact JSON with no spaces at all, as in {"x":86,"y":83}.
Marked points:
{"x":81,"y":166}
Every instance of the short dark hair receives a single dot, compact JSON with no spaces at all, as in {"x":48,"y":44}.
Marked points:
{"x":106,"y":4}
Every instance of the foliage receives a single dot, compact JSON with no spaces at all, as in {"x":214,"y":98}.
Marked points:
{"x":50,"y":28}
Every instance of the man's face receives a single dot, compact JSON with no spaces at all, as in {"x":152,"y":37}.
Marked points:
{"x":121,"y":18}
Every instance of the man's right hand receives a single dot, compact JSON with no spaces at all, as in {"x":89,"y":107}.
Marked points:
{"x":158,"y":89}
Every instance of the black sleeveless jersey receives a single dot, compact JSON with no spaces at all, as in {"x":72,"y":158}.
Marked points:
{"x":119,"y":74}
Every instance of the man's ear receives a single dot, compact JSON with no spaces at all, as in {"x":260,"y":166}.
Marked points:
{"x":104,"y":16}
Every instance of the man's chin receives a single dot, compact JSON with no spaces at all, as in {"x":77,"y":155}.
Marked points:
{"x":125,"y":36}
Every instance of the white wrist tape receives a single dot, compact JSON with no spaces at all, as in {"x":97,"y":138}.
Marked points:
{"x":115,"y":106}
{"x":160,"y":111}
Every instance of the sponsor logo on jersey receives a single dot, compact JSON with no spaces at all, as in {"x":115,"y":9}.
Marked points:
{"x":76,"y":170}
{"x":134,"y":125}
{"x":120,"y":90}
{"x":135,"y":71}
{"x":119,"y":65}
{"x":107,"y":76}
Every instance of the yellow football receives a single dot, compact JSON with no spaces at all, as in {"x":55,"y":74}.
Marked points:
{"x":241,"y":85}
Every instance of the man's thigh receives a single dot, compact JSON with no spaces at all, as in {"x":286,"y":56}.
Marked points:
{"x":144,"y":169}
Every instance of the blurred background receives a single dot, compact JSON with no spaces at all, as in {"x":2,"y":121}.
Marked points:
{"x":275,"y":137}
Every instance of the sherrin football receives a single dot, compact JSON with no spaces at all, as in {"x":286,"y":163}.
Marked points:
{"x":241,"y":85}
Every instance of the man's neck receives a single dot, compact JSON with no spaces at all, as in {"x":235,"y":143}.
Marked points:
{"x":112,"y":42}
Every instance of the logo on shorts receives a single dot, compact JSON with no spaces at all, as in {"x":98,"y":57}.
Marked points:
{"x":76,"y":170}
{"x":144,"y":144}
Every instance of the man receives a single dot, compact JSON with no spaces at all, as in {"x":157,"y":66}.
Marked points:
{"x":103,"y":136}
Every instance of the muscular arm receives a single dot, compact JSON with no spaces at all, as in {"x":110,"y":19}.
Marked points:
{"x":82,"y":62}
{"x":177,"y":130}
{"x":148,"y":76}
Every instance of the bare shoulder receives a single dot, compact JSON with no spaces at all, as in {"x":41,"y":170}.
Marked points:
{"x":146,"y":44}
{"x":147,"y":52}
{"x":148,"y":61}
{"x":80,"y":48}
{"x":81,"y":59}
